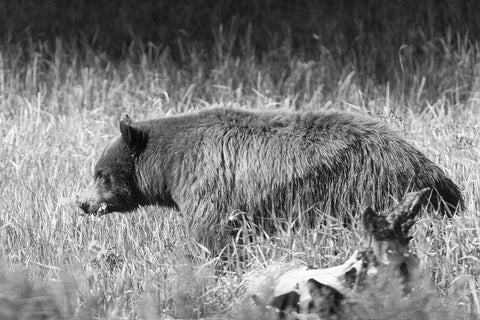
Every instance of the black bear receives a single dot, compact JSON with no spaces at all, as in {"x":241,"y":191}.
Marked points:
{"x":212,"y":162}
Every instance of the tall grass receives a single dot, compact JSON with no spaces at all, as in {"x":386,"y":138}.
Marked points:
{"x":60,"y":104}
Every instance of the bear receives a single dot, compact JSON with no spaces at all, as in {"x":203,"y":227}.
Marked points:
{"x":212,"y":162}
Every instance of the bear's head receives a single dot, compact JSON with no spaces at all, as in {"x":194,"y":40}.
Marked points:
{"x":114,"y":187}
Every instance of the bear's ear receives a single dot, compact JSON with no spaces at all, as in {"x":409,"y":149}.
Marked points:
{"x":369,"y":218}
{"x":135,"y":136}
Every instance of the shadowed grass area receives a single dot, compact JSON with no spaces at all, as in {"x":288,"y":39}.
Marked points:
{"x":390,"y":31}
{"x":60,"y":104}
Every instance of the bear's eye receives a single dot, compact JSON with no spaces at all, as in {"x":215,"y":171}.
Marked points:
{"x":103,"y":177}
{"x":106,"y":179}
{"x":98,"y":174}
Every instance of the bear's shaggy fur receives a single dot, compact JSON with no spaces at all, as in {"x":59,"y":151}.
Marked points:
{"x":212,"y":162}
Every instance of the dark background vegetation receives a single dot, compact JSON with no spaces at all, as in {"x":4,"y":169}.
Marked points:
{"x":348,"y":29}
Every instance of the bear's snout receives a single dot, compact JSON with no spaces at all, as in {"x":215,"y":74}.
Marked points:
{"x":89,"y":207}
{"x":84,"y":206}
{"x":88,"y":200}
{"x":83,"y":203}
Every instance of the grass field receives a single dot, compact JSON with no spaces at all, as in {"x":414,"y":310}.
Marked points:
{"x":60,"y":105}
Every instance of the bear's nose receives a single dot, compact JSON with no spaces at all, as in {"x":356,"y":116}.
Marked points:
{"x":84,"y":206}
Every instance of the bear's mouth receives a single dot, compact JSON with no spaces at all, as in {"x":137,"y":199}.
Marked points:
{"x":102,"y":210}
